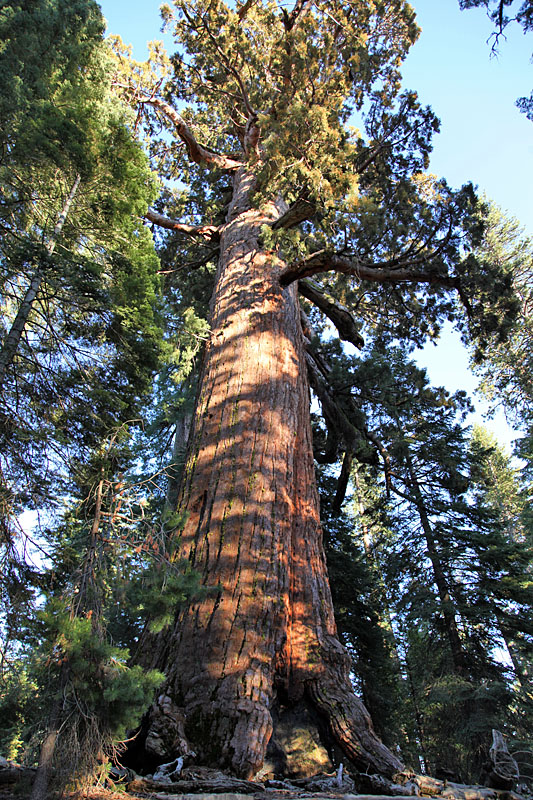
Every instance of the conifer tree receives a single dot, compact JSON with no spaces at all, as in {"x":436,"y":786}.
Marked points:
{"x":77,"y":268}
{"x":505,"y":575}
{"x":270,"y":182}
{"x":437,"y":563}
{"x":81,"y":340}
{"x":94,"y":696}
{"x":506,"y":366}
{"x":362,"y":611}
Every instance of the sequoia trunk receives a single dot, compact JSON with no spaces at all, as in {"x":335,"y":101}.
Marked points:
{"x":265,"y":635}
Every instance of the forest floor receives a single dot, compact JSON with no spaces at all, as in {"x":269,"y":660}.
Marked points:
{"x":206,"y":784}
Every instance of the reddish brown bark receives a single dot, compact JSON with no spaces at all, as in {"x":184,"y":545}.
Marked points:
{"x":266,"y":632}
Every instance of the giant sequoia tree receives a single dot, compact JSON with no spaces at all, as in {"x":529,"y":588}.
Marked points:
{"x":251,"y":122}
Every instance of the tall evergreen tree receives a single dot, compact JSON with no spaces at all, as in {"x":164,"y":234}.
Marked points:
{"x":255,"y":105}
{"x":438,"y":563}
{"x":78,"y":270}
{"x":506,"y":367}
{"x":505,"y":577}
{"x":362,"y":611}
{"x":81,"y":339}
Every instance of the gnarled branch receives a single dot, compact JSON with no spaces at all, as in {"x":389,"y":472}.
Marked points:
{"x":197,"y":152}
{"x":338,"y":419}
{"x":337,"y":313}
{"x":324,"y":261}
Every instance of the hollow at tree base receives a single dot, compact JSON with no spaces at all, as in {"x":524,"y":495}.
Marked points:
{"x":299,"y":747}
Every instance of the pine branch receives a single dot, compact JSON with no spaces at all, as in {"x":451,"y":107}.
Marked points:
{"x":11,"y":342}
{"x":252,"y":114}
{"x":209,"y":232}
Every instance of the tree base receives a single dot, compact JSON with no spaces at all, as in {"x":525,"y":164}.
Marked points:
{"x":301,"y":743}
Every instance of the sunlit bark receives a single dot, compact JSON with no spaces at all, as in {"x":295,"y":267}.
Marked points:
{"x":265,"y":634}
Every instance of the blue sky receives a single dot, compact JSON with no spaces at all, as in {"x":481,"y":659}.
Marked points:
{"x":483,"y":139}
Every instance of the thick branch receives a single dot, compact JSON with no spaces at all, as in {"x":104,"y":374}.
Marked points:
{"x":209,"y":232}
{"x":252,"y":134}
{"x":243,"y":10}
{"x":371,"y":157}
{"x":328,"y":262}
{"x":338,"y":314}
{"x":301,"y":8}
{"x":299,"y":211}
{"x":335,"y":418}
{"x":342,"y":483}
{"x":197,"y":152}
{"x":339,"y":425}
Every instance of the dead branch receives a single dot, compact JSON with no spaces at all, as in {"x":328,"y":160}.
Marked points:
{"x":209,"y":232}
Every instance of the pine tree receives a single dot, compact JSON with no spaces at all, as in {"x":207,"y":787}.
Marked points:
{"x":80,"y":346}
{"x":505,"y":577}
{"x":506,"y":367}
{"x":78,"y":270}
{"x":94,"y":695}
{"x":362,"y":611}
{"x":438,"y":563}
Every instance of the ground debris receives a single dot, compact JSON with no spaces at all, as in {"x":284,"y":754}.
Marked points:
{"x":233,"y":786}
{"x":202,"y":783}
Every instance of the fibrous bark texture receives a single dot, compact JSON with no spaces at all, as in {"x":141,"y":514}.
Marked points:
{"x":265,"y":634}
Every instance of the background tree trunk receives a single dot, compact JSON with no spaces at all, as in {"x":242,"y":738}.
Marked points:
{"x":10,"y":345}
{"x":447,"y":605}
{"x":265,"y":635}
